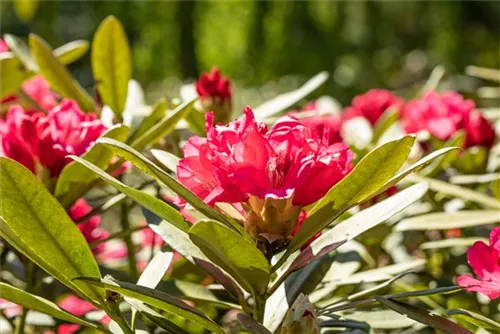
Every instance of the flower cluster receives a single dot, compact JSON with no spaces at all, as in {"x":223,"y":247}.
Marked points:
{"x":372,"y":104}
{"x":442,"y":115}
{"x":215,"y":94}
{"x":43,"y":140}
{"x":275,"y":171}
{"x":485,"y":261}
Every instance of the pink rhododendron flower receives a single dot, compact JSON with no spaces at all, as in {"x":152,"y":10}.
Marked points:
{"x":90,"y":228}
{"x":38,"y":89}
{"x":35,"y":139}
{"x":485,"y":261}
{"x":372,"y":104}
{"x":215,"y":95}
{"x":9,"y":308}
{"x":214,"y":86}
{"x":3,"y":46}
{"x":78,"y":307}
{"x":245,"y":158}
{"x":442,"y":115}
{"x":327,"y":126}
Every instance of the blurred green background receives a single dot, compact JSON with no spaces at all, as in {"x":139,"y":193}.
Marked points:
{"x":277,"y":44}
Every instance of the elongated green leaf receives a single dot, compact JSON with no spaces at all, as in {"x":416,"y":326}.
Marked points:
{"x":57,"y":74}
{"x":388,"y":118}
{"x":39,"y":304}
{"x":471,"y":179}
{"x":163,"y":126}
{"x":12,"y":75}
{"x":475,"y":318}
{"x":359,"y":223}
{"x":42,"y":230}
{"x":452,"y":242}
{"x":384,"y":319}
{"x":156,"y":269}
{"x":364,"y":181}
{"x":155,"y":317}
{"x":157,"y":299}
{"x":459,"y":192}
{"x":287,"y":100}
{"x":147,"y":166}
{"x":449,"y":220}
{"x":22,"y":51}
{"x":251,"y":325}
{"x":423,"y":316}
{"x":111,"y":63}
{"x":75,"y":179}
{"x":148,"y":201}
{"x":72,"y":51}
{"x":238,"y":257}
{"x":157,"y":114}
{"x":444,"y":161}
{"x":167,"y":159}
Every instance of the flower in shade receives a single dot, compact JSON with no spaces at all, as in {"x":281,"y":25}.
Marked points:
{"x":37,"y":88}
{"x":485,"y":261}
{"x":442,"y":115}
{"x":320,"y":118}
{"x":276,"y":171}
{"x":80,"y":308}
{"x":372,"y":104}
{"x":37,"y":140}
{"x":215,"y":94}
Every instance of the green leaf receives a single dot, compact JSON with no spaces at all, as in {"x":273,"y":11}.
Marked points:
{"x":457,"y":191}
{"x":156,"y":269}
{"x":12,"y":75}
{"x":285,"y":101}
{"x":155,"y":317}
{"x":475,"y":318}
{"x":40,"y":228}
{"x":25,"y":9}
{"x":445,"y":160}
{"x":148,"y":201}
{"x":157,"y":114}
{"x":449,"y":220}
{"x":359,"y":223}
{"x":251,"y":325}
{"x":57,"y":74}
{"x":150,"y":168}
{"x":39,"y":304}
{"x":383,"y":319}
{"x":423,"y":316}
{"x":452,"y":242}
{"x":364,"y":181}
{"x":21,"y":51}
{"x":158,"y":299}
{"x":238,"y":257}
{"x":111,"y":63}
{"x":163,"y":126}
{"x":388,"y":118}
{"x":472,"y":179}
{"x":72,"y":51}
{"x":75,"y":179}
{"x":167,"y":159}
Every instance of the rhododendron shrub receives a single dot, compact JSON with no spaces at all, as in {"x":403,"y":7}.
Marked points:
{"x":299,"y":216}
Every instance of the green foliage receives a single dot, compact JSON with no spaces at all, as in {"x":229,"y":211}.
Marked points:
{"x":52,"y":240}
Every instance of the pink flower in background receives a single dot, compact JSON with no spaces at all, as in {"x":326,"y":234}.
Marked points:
{"x":372,"y":104}
{"x":38,"y":89}
{"x":90,"y":228}
{"x":326,"y":126}
{"x":78,"y":307}
{"x":485,"y":261}
{"x":442,"y":115}
{"x":3,"y":46}
{"x":213,"y":85}
{"x":33,"y":138}
{"x":245,"y":158}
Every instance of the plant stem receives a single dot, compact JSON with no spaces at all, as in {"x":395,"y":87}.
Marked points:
{"x":29,"y":275}
{"x":128,"y":241}
{"x":277,"y":284}
{"x":115,"y":314}
{"x":259,"y":308}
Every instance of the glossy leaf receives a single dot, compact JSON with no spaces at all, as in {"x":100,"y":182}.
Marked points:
{"x":72,"y":51}
{"x":156,"y":269}
{"x":384,"y":123}
{"x":475,"y":318}
{"x":148,"y":201}
{"x":111,"y":63}
{"x":38,"y":226}
{"x":75,"y":179}
{"x":459,"y":192}
{"x":449,"y":220}
{"x":423,"y":316}
{"x":12,"y":75}
{"x":39,"y":304}
{"x":157,"y":299}
{"x":21,"y":51}
{"x":452,"y":242}
{"x":285,"y":101}
{"x":167,"y":159}
{"x":445,"y":160}
{"x":163,"y":126}
{"x":57,"y":74}
{"x":359,"y":223}
{"x":251,"y":325}
{"x":157,"y":114}
{"x":237,"y":256}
